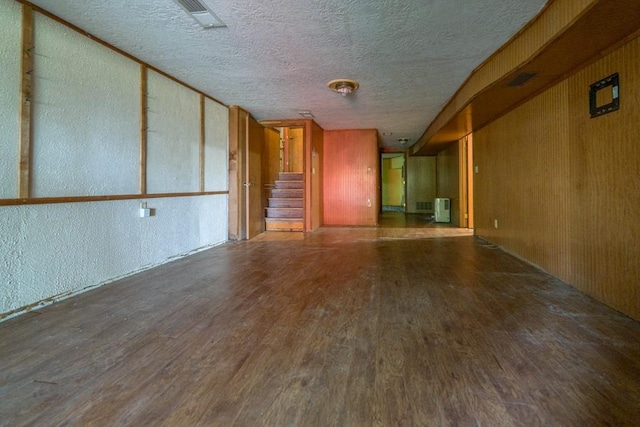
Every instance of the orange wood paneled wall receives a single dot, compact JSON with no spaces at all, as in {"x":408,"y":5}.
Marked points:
{"x":565,"y":188}
{"x":351,"y":175}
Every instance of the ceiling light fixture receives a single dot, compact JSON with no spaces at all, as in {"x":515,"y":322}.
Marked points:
{"x":306,"y":114}
{"x":343,"y":86}
{"x":403,"y":140}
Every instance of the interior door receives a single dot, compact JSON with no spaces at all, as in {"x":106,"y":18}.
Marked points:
{"x":253,"y":179}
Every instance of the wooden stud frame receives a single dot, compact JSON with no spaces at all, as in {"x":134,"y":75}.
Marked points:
{"x":25,"y":120}
{"x":144,"y":124}
{"x":202,"y":141}
{"x":26,"y":73}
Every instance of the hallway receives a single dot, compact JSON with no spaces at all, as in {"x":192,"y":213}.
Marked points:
{"x":344,"y":326}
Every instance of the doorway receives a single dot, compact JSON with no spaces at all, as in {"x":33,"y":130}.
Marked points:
{"x":394,"y":181}
{"x":283,"y":178}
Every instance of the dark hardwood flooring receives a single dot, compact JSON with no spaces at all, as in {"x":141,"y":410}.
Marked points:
{"x":411,"y":220}
{"x":340,"y":327}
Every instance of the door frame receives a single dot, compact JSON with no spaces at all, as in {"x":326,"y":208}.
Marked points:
{"x":308,"y":127}
{"x":405,"y":175}
{"x":238,"y":203}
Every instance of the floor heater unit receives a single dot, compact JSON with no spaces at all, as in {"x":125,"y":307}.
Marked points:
{"x":442,"y":209}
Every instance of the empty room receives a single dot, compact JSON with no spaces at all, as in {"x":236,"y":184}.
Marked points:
{"x":311,"y":213}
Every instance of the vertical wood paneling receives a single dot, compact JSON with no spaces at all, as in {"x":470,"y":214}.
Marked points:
{"x":317,"y":160}
{"x":421,"y":181}
{"x":296,"y":149}
{"x":605,"y":175}
{"x":26,"y":73}
{"x":237,"y":137}
{"x":270,"y":162}
{"x":254,"y":146}
{"x":462,"y":183}
{"x":564,"y":187}
{"x":448,"y":181}
{"x":392,"y":183}
{"x":350,"y":177}
{"x":470,"y":171}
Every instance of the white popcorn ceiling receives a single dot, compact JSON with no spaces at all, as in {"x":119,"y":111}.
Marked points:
{"x":276,"y":57}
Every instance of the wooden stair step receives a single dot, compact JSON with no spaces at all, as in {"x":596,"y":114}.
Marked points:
{"x":286,"y":203}
{"x":289,"y":184}
{"x":287,"y":193}
{"x":290,"y":176}
{"x":284,"y":212}
{"x":284,"y":224}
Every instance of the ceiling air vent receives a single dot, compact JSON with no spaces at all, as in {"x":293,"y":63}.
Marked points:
{"x":521,"y":79}
{"x":201,"y":13}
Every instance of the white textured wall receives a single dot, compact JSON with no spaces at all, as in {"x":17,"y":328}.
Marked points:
{"x":216,"y":146}
{"x":49,"y":250}
{"x":86,"y":142}
{"x":85,"y":115}
{"x":9,"y":96}
{"x":173,"y":142}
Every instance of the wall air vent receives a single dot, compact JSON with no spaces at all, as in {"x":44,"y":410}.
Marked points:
{"x":202,"y":14}
{"x":521,"y":79}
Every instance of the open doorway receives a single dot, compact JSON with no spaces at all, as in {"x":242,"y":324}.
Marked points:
{"x":393,"y":182}
{"x":283,"y":178}
{"x":300,"y":152}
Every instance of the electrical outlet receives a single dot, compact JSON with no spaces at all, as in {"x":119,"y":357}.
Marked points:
{"x":495,"y":223}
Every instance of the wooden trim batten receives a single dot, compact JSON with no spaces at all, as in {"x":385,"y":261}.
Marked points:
{"x":202,"y":140}
{"x":107,"y":198}
{"x":144,"y":124}
{"x":26,"y":73}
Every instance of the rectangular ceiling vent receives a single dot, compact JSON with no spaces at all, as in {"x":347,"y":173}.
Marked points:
{"x":521,"y":79}
{"x":201,"y":13}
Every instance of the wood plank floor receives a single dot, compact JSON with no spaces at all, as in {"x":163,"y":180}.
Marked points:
{"x":341,"y":327}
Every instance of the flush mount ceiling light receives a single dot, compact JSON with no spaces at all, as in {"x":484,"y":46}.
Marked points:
{"x":343,"y":86}
{"x":198,"y":11}
{"x":306,"y":114}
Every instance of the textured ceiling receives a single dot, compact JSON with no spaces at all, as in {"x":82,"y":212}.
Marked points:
{"x":275,"y":57}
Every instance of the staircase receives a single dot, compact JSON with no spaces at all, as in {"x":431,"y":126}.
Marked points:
{"x":286,"y":205}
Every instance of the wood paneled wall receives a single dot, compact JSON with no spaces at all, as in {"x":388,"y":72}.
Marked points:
{"x":392,"y":183}
{"x":565,"y":187}
{"x":421,"y":181}
{"x":351,"y":175}
{"x":270,"y":162}
{"x":238,"y":119}
{"x":448,"y":180}
{"x":296,"y":150}
{"x":317,"y":161}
